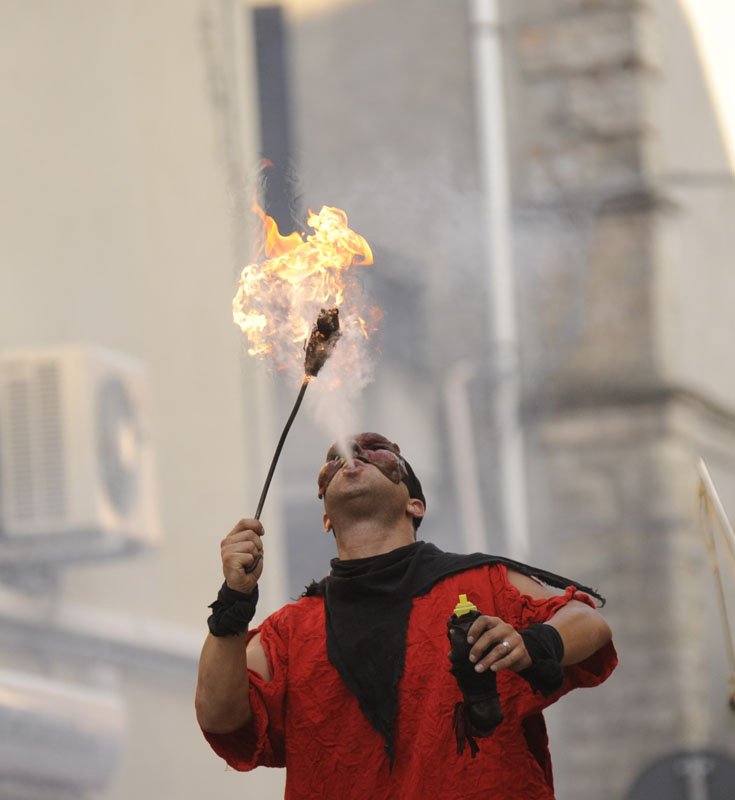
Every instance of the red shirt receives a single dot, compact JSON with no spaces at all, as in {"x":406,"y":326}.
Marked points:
{"x":307,"y":720}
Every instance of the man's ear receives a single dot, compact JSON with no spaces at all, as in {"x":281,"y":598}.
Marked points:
{"x":414,"y":507}
{"x":327,"y":523}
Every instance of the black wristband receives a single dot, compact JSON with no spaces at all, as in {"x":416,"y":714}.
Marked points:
{"x":546,"y":648}
{"x":232,"y":611}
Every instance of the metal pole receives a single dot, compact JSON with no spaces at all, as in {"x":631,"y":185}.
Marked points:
{"x":464,"y":457}
{"x":490,"y":103}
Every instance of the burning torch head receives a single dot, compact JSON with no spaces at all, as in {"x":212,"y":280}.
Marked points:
{"x":372,"y":448}
{"x":323,"y":338}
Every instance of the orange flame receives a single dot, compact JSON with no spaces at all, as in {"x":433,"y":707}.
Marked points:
{"x":278,"y":300}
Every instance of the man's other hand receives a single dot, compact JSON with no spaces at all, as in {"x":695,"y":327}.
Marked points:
{"x":496,"y":644}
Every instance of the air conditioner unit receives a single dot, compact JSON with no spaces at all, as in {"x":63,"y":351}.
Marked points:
{"x":76,"y":459}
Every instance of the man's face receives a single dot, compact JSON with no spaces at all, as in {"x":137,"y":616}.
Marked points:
{"x":369,"y":448}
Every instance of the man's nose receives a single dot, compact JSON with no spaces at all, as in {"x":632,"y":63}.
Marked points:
{"x":359,"y":453}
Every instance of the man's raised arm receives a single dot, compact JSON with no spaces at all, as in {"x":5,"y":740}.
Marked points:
{"x":222,"y":699}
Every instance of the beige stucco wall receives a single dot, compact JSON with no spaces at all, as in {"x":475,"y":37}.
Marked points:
{"x":128,"y":142}
{"x":688,"y":157}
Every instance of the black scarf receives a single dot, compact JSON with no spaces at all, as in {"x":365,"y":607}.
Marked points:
{"x":367,"y":606}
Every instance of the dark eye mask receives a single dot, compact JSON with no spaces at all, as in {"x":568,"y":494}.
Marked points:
{"x":370,"y":448}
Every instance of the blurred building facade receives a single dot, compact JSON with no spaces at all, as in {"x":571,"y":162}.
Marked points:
{"x":620,"y":190}
{"x":136,"y":131}
{"x":127,"y":155}
{"x":623,"y":186}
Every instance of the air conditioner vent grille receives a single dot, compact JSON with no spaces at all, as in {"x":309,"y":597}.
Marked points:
{"x":21,"y":481}
{"x":35,"y":434}
{"x":52,"y":477}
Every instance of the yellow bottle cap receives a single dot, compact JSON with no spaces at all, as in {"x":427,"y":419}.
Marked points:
{"x":464,"y":606}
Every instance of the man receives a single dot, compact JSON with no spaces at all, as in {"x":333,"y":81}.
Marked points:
{"x":350,"y":687}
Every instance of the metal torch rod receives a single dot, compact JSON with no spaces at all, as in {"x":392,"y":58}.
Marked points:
{"x":276,"y":455}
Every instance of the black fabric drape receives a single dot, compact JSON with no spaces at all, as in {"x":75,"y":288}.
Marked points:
{"x":367,"y":607}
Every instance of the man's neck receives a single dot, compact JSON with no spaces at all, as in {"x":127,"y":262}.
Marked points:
{"x":365,"y":538}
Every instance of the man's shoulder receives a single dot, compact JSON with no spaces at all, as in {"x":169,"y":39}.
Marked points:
{"x":434,"y":565}
{"x":297,"y":611}
{"x":292,"y":624}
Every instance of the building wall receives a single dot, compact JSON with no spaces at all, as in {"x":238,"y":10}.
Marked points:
{"x":622,"y":187}
{"x":128,"y":157}
{"x":383,"y":126}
